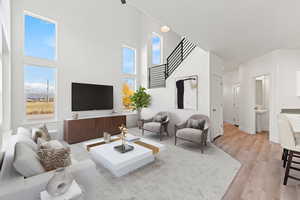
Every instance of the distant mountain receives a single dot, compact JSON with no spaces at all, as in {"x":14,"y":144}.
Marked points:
{"x":38,"y":91}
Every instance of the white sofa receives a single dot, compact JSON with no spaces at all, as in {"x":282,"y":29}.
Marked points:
{"x":14,"y":186}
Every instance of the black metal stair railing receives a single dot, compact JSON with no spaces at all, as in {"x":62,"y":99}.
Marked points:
{"x":158,"y":74}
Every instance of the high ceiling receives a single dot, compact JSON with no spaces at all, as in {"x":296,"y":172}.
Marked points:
{"x":235,"y":30}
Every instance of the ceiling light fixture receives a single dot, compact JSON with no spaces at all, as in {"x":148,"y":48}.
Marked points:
{"x":165,"y":29}
{"x":123,"y":1}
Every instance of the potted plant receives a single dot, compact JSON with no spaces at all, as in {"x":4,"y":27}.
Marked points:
{"x":140,"y":99}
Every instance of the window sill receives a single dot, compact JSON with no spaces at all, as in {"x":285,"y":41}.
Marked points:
{"x":129,"y":112}
{"x":38,"y":121}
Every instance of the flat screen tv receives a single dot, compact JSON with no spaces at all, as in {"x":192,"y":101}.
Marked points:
{"x":87,"y":97}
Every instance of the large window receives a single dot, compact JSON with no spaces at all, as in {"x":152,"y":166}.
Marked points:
{"x":40,"y":38}
{"x":129,"y":76}
{"x":40,"y":51}
{"x":128,"y":60}
{"x":39,"y":91}
{"x":156,"y":49}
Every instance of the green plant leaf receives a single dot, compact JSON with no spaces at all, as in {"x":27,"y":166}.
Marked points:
{"x":140,"y":99}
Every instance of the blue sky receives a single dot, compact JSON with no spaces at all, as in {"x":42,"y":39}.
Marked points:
{"x":128,"y":60}
{"x":34,"y":74}
{"x":156,"y":50}
{"x":40,"y":38}
{"x":39,"y":42}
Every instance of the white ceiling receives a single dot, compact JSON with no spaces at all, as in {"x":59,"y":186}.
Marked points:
{"x":236,"y":30}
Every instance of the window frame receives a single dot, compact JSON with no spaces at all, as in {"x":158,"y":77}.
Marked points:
{"x":134,"y":50}
{"x":54,"y":118}
{"x":40,"y":62}
{"x":56,"y":34}
{"x":128,"y":75}
{"x":161,"y":48}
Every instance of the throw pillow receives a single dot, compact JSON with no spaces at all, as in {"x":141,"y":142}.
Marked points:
{"x":24,"y":131}
{"x":189,"y":123}
{"x":26,"y":161}
{"x":196,"y":124}
{"x":158,"y":118}
{"x":41,"y":132}
{"x":54,"y":156}
{"x":40,"y":141}
{"x":27,"y":140}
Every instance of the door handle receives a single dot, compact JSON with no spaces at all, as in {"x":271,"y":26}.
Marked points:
{"x":214,"y":110}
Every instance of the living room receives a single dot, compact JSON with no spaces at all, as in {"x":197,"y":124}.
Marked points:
{"x":124,"y":100}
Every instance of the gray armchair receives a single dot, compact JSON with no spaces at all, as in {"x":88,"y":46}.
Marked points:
{"x":157,"y":124}
{"x":195,"y":130}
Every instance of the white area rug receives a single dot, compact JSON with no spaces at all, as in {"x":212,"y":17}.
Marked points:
{"x":179,"y":173}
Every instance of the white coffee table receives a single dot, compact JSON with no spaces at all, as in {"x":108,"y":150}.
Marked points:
{"x":122,"y":163}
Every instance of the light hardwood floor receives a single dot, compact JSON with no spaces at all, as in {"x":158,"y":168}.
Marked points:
{"x":261,"y":174}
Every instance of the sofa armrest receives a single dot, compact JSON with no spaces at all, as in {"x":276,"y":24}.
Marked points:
{"x":180,"y":125}
{"x":84,"y":172}
{"x":147,"y":120}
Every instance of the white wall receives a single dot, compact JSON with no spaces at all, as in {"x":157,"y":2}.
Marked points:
{"x":281,"y":65}
{"x":230,"y":79}
{"x":163,"y":99}
{"x":90,"y":39}
{"x":170,"y":41}
{"x":5,"y":45}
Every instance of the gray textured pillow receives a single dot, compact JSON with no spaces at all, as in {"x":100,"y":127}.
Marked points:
{"x":196,"y":124}
{"x":54,"y":155}
{"x":26,"y":161}
{"x":41,"y":132}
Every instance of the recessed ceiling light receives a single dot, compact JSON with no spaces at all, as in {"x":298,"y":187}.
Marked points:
{"x":165,"y":29}
{"x":123,"y":1}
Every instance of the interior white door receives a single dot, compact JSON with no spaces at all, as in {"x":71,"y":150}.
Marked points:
{"x":236,"y":94}
{"x":217,"y":106}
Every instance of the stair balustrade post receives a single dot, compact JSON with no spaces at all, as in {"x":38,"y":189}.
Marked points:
{"x":181,"y":51}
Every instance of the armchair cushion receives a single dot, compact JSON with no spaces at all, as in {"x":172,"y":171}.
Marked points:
{"x":152,"y":126}
{"x":196,"y":124}
{"x":160,"y":118}
{"x":147,"y":120}
{"x":190,"y":134}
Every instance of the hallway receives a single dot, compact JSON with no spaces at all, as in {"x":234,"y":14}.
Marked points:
{"x":261,"y":172}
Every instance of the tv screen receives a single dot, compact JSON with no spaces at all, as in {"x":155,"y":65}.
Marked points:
{"x":91,"y":97}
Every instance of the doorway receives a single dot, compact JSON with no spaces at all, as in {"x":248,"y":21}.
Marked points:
{"x":217,"y":107}
{"x":262,"y":104}
{"x":236,"y":105}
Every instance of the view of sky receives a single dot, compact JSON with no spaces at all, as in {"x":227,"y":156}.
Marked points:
{"x":156,"y":51}
{"x":130,"y":82}
{"x":128,"y":60}
{"x":40,"y":38}
{"x":39,"y":42}
{"x":36,"y":78}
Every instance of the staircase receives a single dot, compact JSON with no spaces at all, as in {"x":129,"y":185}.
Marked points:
{"x":157,"y":75}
